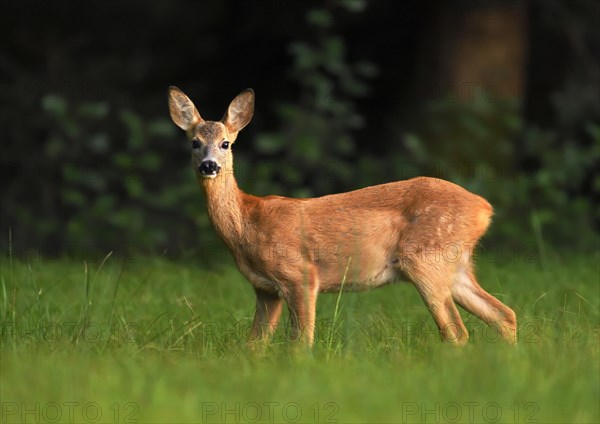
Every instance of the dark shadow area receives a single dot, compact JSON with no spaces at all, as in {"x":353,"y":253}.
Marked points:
{"x":500,"y":97}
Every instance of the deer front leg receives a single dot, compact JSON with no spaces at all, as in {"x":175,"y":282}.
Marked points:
{"x":302,"y":305}
{"x":266,"y":315}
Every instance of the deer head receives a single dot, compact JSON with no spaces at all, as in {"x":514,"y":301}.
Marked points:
{"x":211,"y":141}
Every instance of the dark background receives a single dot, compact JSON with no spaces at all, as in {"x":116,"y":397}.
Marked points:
{"x":498,"y":96}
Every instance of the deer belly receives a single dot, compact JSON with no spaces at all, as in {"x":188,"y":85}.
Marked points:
{"x":355,"y":279}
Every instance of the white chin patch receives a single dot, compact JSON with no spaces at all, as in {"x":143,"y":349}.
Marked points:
{"x":208,"y":175}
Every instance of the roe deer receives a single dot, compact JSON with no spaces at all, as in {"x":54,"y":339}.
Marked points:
{"x":422,"y":230}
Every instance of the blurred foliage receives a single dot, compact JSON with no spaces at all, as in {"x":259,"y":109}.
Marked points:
{"x":482,"y":146}
{"x":312,"y":151}
{"x":540,"y":173}
{"x":91,"y":159}
{"x":97,"y":181}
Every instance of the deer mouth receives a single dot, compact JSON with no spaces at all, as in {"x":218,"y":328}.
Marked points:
{"x":207,"y":174}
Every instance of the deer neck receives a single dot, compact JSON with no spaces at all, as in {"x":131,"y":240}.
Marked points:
{"x":224,"y":202}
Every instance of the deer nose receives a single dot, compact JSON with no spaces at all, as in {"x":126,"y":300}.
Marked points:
{"x":209,"y":167}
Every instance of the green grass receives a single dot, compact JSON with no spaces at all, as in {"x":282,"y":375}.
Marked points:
{"x":152,"y":340}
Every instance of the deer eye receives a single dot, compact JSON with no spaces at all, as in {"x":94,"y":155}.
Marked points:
{"x":195,"y":144}
{"x":225,"y":145}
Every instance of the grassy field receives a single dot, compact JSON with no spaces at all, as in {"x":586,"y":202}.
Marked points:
{"x":152,"y":340}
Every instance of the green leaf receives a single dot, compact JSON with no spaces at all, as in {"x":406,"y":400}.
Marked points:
{"x":161,"y":128}
{"x":304,"y":55}
{"x":93,"y":110}
{"x":54,"y":147}
{"x":333,"y":51}
{"x":123,"y":160}
{"x":54,"y":104}
{"x":73,"y":197}
{"x":367,"y":69}
{"x":319,"y":18}
{"x":134,"y":186}
{"x":416,"y":146}
{"x":269,"y":143}
{"x":150,"y":161}
{"x":302,"y":193}
{"x":104,"y":205}
{"x":134,"y":124}
{"x":594,"y":131}
{"x":99,"y":142}
{"x":355,"y":6}
{"x":345,"y":145}
{"x":307,"y":148}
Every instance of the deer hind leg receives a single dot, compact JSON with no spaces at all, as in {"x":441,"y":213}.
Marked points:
{"x":433,"y":281}
{"x":266,"y":315}
{"x":469,"y":294}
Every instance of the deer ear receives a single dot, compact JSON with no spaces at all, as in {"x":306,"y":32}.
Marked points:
{"x":240,"y":111}
{"x":182,"y":110}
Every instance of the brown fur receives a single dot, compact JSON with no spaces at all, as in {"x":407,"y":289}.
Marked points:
{"x":423,"y":229}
